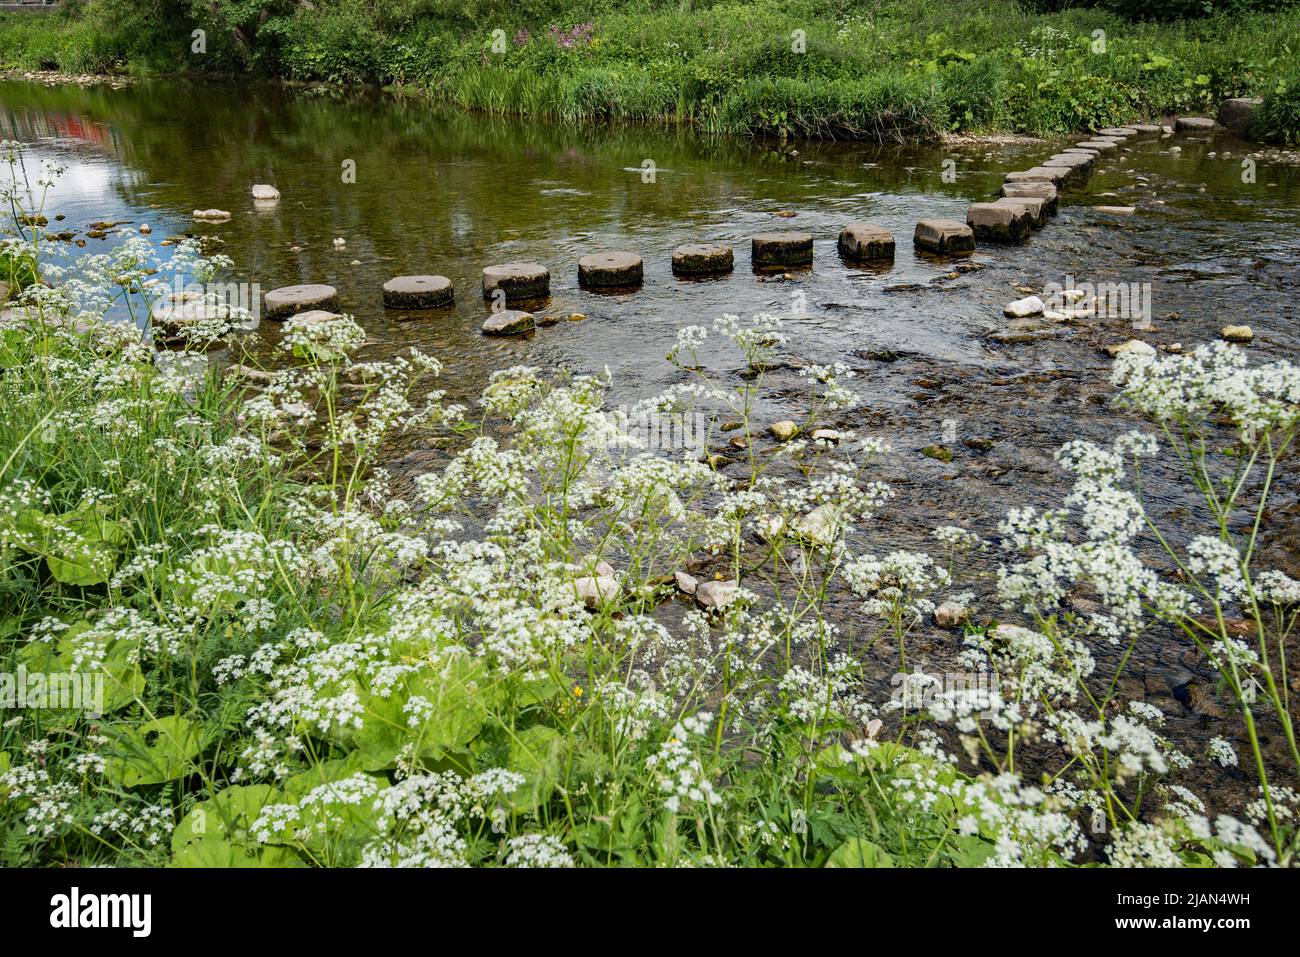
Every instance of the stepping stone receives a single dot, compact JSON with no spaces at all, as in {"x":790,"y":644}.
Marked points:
{"x":1044,"y":191}
{"x":1084,"y":159}
{"x":1101,"y":146}
{"x":866,"y":242}
{"x":508,"y":322}
{"x":1234,"y":114}
{"x":999,"y":223}
{"x":418,"y":292}
{"x":781,"y":249}
{"x":1147,"y":129}
{"x":288,"y":300}
{"x":944,"y":236}
{"x":1117,"y":131}
{"x":1056,"y":175}
{"x":174,"y":316}
{"x":702,"y":259}
{"x":609,"y":271}
{"x":1035,"y":207}
{"x":1081,"y":151}
{"x":517,"y":281}
{"x":1077,"y":166}
{"x":1199,"y":124}
{"x":1115,"y":210}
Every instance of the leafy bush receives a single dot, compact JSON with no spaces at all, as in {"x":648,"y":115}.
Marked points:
{"x":1278,"y":118}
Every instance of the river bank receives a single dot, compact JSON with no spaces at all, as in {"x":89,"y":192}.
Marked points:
{"x":812,"y":68}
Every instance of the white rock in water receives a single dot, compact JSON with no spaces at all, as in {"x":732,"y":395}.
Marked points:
{"x":1133,"y":345}
{"x":1237,"y":333}
{"x":1116,"y":210}
{"x":951,"y":614}
{"x":821,"y":526}
{"x":594,"y":590}
{"x":826,"y":435}
{"x":604,"y":570}
{"x":715,"y":596}
{"x":687,"y":583}
{"x":213,"y":214}
{"x":340,"y":242}
{"x":1023,"y":308}
{"x":264,"y":193}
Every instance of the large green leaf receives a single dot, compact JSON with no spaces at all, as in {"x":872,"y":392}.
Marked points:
{"x":859,"y":852}
{"x":157,"y":751}
{"x":80,"y":547}
{"x":539,"y":754}
{"x":113,"y":665}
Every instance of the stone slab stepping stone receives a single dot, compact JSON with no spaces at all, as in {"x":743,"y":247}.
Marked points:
{"x":287,"y":300}
{"x":1147,"y":129}
{"x":702,"y":259}
{"x":1084,"y":159}
{"x":1117,"y":131}
{"x":1044,"y":191}
{"x":1035,"y":206}
{"x":418,"y":292}
{"x":508,"y":322}
{"x":1235,"y":113}
{"x":1101,"y":146}
{"x":1056,"y":175}
{"x":1194,"y":123}
{"x":943,"y":236}
{"x":609,"y":271}
{"x":999,"y":223}
{"x":517,"y":280}
{"x":769,"y":250}
{"x":177,"y":315}
{"x":1081,"y":151}
{"x":866,"y":242}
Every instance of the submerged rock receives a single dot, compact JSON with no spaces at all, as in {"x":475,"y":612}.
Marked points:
{"x":783,"y":431}
{"x":508,"y":322}
{"x":263,"y":193}
{"x":951,"y":614}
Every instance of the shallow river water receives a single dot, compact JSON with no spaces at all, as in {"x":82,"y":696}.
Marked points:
{"x":445,"y":193}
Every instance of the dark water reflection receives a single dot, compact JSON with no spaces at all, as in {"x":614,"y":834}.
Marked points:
{"x":439,"y":192}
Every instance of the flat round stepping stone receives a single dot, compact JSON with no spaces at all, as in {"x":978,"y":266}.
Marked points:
{"x":418,"y":292}
{"x":1043,"y":191}
{"x":287,"y":300}
{"x":702,"y":259}
{"x":1147,"y":129}
{"x":943,"y":236}
{"x":1124,"y":131}
{"x":609,"y":271}
{"x":999,"y":223}
{"x":174,"y":316}
{"x":517,"y":281}
{"x":781,"y":249}
{"x":1081,"y":151}
{"x":1101,"y":146}
{"x":866,"y":242}
{"x":1197,"y":123}
{"x":508,"y":322}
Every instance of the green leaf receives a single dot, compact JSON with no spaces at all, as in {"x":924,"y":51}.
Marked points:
{"x":859,"y":852}
{"x":539,"y":754}
{"x":158,"y":751}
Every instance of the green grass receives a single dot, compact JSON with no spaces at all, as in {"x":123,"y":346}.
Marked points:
{"x":904,"y":69}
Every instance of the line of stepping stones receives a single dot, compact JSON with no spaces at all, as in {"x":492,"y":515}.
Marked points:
{"x":1026,"y":200}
